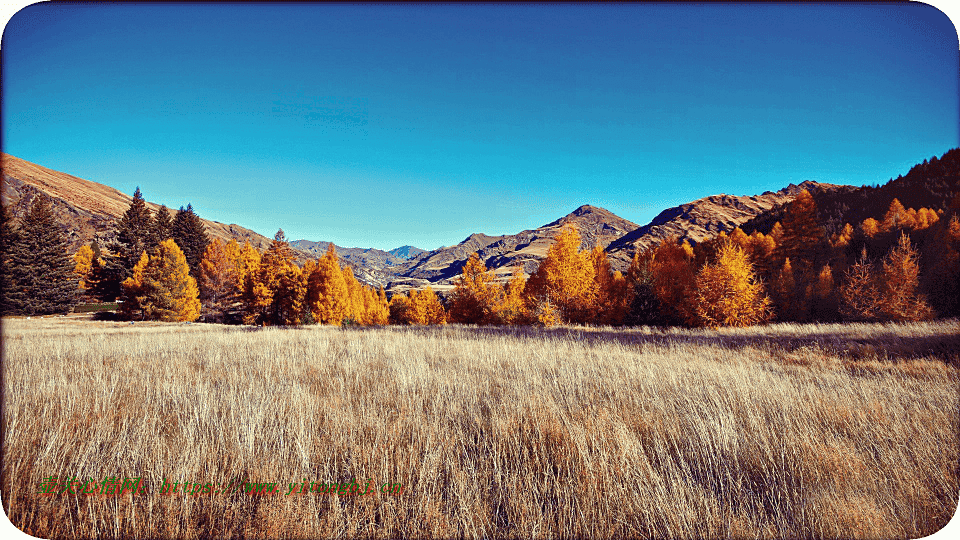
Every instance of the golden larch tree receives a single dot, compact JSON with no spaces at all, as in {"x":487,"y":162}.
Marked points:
{"x":218,"y":279}
{"x":902,"y":300}
{"x":512,"y":308}
{"x":475,"y":296}
{"x":728,"y":291}
{"x":564,"y":279}
{"x":674,"y":281}
{"x":271,"y":295}
{"x":83,"y":261}
{"x":860,"y":297}
{"x":161,"y":287}
{"x":425,"y":307}
{"x":327,"y":293}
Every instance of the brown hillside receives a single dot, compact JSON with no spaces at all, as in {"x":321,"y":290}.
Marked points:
{"x":597,"y":226}
{"x":85,"y":209}
{"x":703,"y":218}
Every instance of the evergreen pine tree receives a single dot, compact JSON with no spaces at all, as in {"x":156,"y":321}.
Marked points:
{"x":162,"y":225}
{"x":42,"y":278}
{"x":190,"y":234}
{"x":134,"y":236}
{"x":8,"y":238}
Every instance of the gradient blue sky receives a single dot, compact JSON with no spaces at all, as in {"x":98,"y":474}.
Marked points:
{"x":383,"y":125}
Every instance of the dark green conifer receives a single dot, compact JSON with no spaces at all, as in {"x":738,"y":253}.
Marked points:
{"x":42,"y":278}
{"x":8,"y":238}
{"x":134,"y":235}
{"x":190,"y":234}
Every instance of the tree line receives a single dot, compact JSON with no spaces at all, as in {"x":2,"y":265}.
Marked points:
{"x":901,"y":265}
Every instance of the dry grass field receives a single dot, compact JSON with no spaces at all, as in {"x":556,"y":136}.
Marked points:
{"x":818,"y":431}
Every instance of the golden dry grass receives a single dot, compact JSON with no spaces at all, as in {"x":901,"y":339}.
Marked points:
{"x":820,"y":431}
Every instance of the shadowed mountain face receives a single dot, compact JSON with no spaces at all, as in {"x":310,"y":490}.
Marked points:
{"x":87,"y":210}
{"x":704,"y":218}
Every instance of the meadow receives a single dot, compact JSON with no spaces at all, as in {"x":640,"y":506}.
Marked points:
{"x":807,"y":431}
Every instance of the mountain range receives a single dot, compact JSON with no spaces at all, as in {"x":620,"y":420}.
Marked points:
{"x":87,"y":210}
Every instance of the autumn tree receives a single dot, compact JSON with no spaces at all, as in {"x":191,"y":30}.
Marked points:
{"x":42,"y":280}
{"x":644,"y":305}
{"x":356,"y":309}
{"x":610,"y":290}
{"x":160,"y":287}
{"x":400,"y":309}
{"x":728,"y":292}
{"x":564,"y":279}
{"x":327,"y":293}
{"x":673,"y":281}
{"x":900,"y":274}
{"x":476,"y":296}
{"x":275,"y":293}
{"x":425,"y":308}
{"x":804,"y":239}
{"x":218,"y":279}
{"x":511,"y":308}
{"x":860,"y":295}
{"x":83,"y":261}
{"x":783,"y":287}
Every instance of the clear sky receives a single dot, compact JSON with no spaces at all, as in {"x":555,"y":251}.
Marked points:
{"x":384,"y":125}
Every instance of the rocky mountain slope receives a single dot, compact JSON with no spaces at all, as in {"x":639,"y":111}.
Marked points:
{"x":597,"y":226}
{"x":87,"y":210}
{"x":704,"y":218}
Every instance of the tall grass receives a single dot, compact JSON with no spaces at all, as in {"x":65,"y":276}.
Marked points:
{"x":779,"y":431}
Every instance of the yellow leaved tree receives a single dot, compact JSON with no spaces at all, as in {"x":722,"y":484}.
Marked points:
{"x":564,"y":281}
{"x":476,"y":296}
{"x":161,"y":287}
{"x":327,"y":294}
{"x":728,"y":293}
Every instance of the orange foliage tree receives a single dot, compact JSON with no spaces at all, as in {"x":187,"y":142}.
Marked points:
{"x":327,"y":293}
{"x":218,"y":278}
{"x":161,"y":287}
{"x":564,"y":280}
{"x":476,"y":296}
{"x":274,"y":294}
{"x":900,"y":273}
{"x":728,"y":292}
{"x":673,"y":281}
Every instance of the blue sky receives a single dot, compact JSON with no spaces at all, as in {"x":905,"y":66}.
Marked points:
{"x":383,"y":125}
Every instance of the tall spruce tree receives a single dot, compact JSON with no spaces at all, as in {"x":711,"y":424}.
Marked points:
{"x":134,"y":236}
{"x":42,"y":278}
{"x":162,"y":225}
{"x":190,"y":234}
{"x":8,"y":237}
